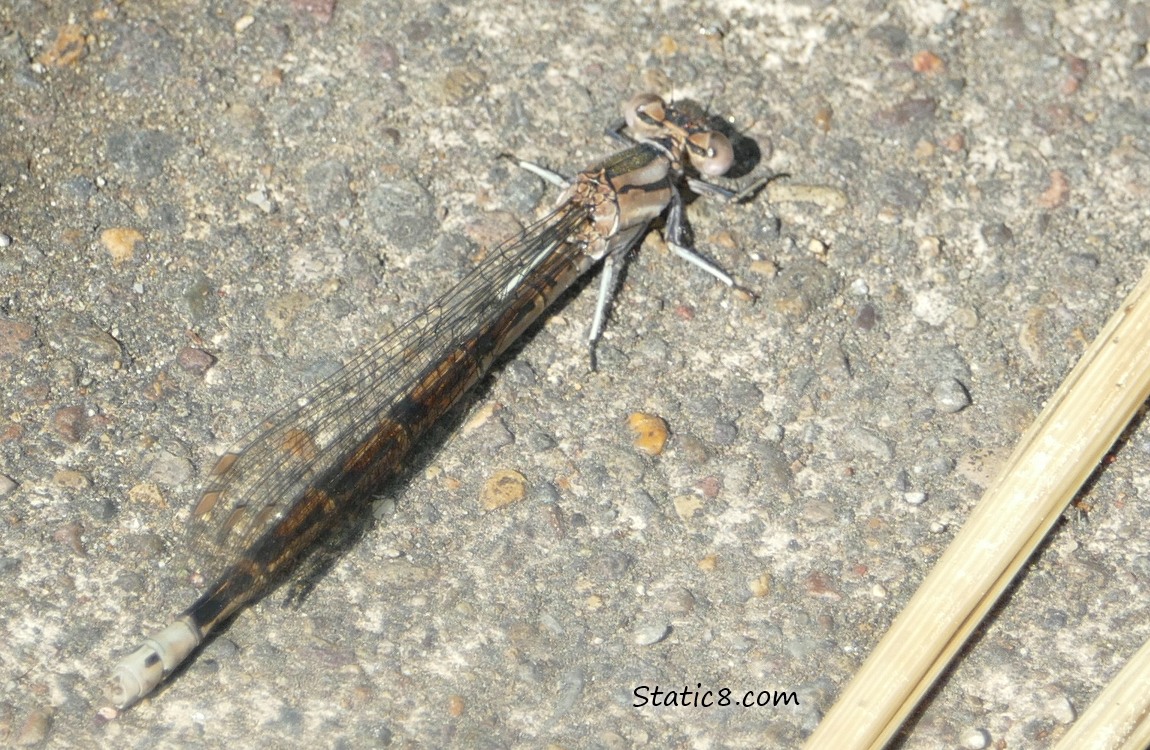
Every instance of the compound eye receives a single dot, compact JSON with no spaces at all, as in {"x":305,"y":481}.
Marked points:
{"x":710,"y":153}
{"x":645,"y":114}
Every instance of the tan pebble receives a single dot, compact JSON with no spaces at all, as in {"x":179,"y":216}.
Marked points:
{"x":709,"y":563}
{"x":930,"y":247}
{"x":594,"y":602}
{"x":927,"y":62}
{"x":1058,"y":192}
{"x":456,"y":705}
{"x":766,"y":268}
{"x":282,"y":311}
{"x":687,"y":506}
{"x":480,"y":417}
{"x":69,"y":48}
{"x":146,"y":492}
{"x":69,"y":479}
{"x":830,"y":198}
{"x":272,"y":78}
{"x":956,"y":142}
{"x":34,"y":730}
{"x":462,"y":84}
{"x":503,"y":488}
{"x":743,"y":295}
{"x":120,"y":242}
{"x":824,"y":117}
{"x":650,"y":432}
{"x":723,"y":238}
{"x":666,"y":46}
{"x":760,"y":586}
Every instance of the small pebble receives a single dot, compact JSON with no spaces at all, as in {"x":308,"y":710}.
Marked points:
{"x":867,"y":442}
{"x":169,"y":469}
{"x":120,"y":242}
{"x":194,"y":361}
{"x":70,"y":423}
{"x":34,"y":731}
{"x":996,"y":235}
{"x":651,"y":634}
{"x":70,"y":47}
{"x":504,"y":488}
{"x":976,"y":739}
{"x":906,"y":112}
{"x":687,"y":506}
{"x":106,"y":714}
{"x":950,"y":396}
{"x":760,"y":586}
{"x":259,"y":199}
{"x":1061,"y":709}
{"x":650,"y":433}
{"x":914,"y":498}
{"x":402,"y":211}
{"x":148,"y":493}
{"x":71,"y":480}
{"x":927,"y":62}
{"x":830,"y":198}
{"x":71,"y":535}
{"x":866,"y":317}
{"x":5,"y":240}
{"x":680,"y":602}
{"x":930,"y":247}
{"x":766,"y":268}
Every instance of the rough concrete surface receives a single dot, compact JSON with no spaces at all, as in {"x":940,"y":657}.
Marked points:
{"x":207,"y":206}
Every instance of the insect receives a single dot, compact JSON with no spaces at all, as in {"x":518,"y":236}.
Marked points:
{"x":306,"y":466}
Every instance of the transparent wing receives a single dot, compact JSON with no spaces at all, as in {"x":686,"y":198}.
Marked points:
{"x":301,"y":448}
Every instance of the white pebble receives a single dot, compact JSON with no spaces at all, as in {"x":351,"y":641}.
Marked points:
{"x":260,"y":199}
{"x":976,"y":739}
{"x":914,"y":498}
{"x":951,"y":396}
{"x":651,"y":634}
{"x":1061,"y":709}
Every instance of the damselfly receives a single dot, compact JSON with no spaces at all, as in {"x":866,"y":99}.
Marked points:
{"x":308,"y":465}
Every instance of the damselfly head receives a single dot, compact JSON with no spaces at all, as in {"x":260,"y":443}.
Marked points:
{"x":710,"y":152}
{"x":646,"y":115}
